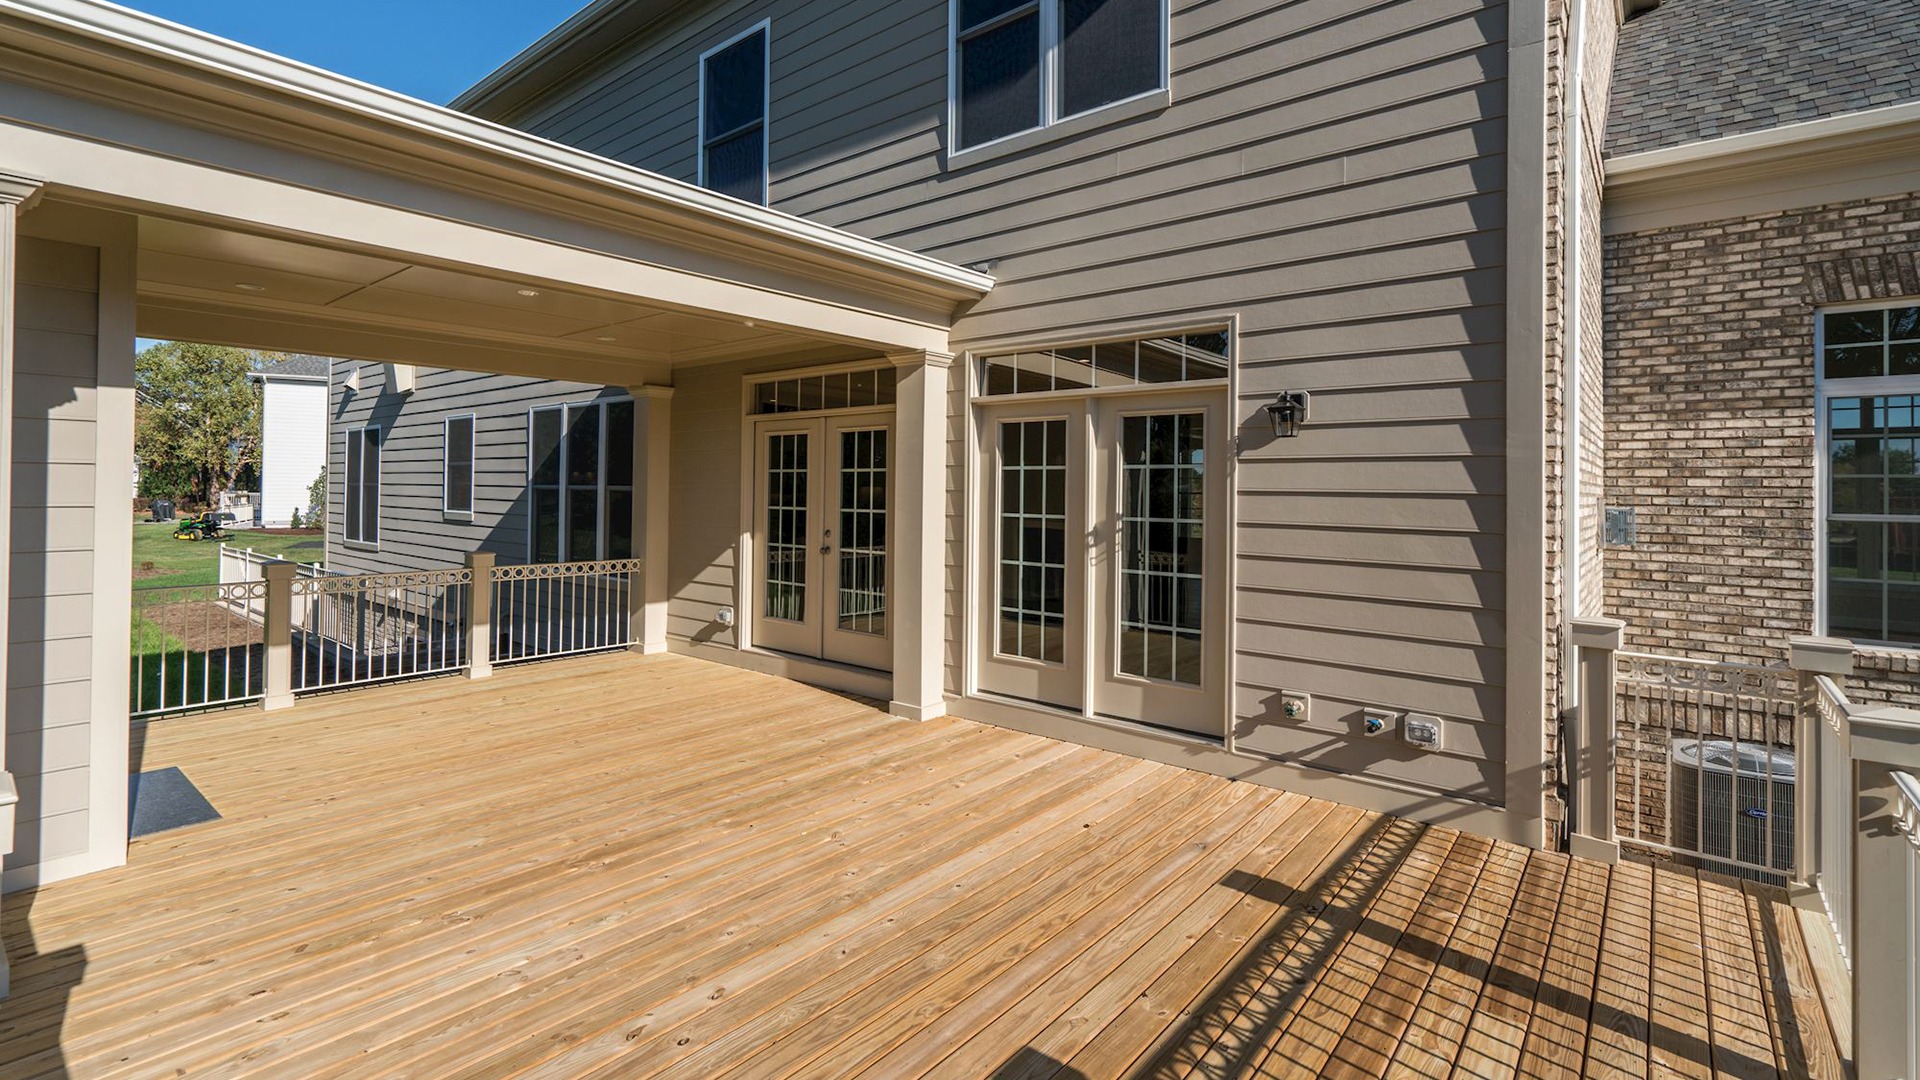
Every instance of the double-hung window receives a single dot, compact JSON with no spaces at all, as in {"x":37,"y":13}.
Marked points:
{"x":1025,"y":64}
{"x":580,"y":482}
{"x":456,"y":481}
{"x":1870,"y":426}
{"x":733,"y":117}
{"x":363,"y":485}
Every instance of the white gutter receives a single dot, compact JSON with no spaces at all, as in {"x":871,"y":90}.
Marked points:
{"x":1757,"y":147}
{"x":1573,"y":128}
{"x":135,"y":31}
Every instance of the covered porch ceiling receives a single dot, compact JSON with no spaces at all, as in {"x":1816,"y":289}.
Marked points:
{"x":279,"y":206}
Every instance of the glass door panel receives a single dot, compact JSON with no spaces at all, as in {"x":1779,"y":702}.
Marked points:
{"x":1161,"y":599}
{"x":857,"y":547}
{"x":1033,"y":534}
{"x":787,"y":523}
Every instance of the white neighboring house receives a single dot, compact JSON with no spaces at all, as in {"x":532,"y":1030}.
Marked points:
{"x":293,"y":435}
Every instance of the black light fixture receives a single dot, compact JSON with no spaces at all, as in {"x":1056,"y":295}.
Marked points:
{"x":1288,"y":412}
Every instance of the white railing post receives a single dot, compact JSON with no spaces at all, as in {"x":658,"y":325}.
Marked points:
{"x":1810,"y":658}
{"x":278,"y":633}
{"x":480,"y":615}
{"x":1593,"y":826}
{"x":1885,"y":743}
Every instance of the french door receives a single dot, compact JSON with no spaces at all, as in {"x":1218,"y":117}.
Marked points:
{"x":822,"y":491}
{"x":1104,"y":551}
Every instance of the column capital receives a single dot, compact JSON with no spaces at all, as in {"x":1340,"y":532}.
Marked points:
{"x":21,"y":191}
{"x":921,"y":356}
{"x":1596,"y":633}
{"x":651,"y":391}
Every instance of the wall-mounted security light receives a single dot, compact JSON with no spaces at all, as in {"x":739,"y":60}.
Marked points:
{"x":1288,"y":412}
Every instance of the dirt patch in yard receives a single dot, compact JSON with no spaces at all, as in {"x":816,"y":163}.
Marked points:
{"x":204,"y":627}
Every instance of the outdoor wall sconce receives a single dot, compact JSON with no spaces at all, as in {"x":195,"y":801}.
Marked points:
{"x":1288,"y":412}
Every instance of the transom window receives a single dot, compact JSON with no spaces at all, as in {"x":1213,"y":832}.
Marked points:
{"x":733,"y":117}
{"x":580,"y":482}
{"x":1025,"y":64}
{"x":1870,"y":401}
{"x":1170,"y":358}
{"x":867,"y":388}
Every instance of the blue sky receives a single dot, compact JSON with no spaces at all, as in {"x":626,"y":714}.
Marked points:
{"x":431,"y":49}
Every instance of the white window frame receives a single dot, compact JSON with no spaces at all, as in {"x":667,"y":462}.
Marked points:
{"x":600,"y":479}
{"x":701,"y":142}
{"x":354,"y":489}
{"x":1052,"y":125}
{"x":447,"y":509}
{"x":1823,"y":392}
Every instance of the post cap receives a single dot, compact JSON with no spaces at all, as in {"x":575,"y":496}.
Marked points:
{"x":1820,"y":655}
{"x":1597,"y":633}
{"x":277,"y":570}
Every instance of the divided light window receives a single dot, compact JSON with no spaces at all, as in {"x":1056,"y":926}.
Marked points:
{"x":1167,"y":358}
{"x":1024,"y":64}
{"x":363,"y":485}
{"x":1870,"y":401}
{"x":863,"y":389}
{"x":456,"y":486}
{"x":580,"y":482}
{"x":733,"y":117}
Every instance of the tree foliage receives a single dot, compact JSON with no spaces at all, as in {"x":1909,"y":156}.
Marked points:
{"x":197,"y":423}
{"x":317,"y":502}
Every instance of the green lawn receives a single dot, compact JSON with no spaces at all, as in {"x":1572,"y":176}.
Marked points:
{"x":186,"y":651}
{"x":159,"y":559}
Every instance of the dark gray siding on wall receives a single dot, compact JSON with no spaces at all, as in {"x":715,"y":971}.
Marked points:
{"x":1330,"y":174}
{"x":415,"y":534}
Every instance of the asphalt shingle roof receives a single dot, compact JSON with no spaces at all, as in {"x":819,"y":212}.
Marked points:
{"x":312,"y":367}
{"x":1699,"y":69}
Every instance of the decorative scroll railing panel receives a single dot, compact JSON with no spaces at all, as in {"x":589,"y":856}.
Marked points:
{"x":368,"y":628}
{"x":561,"y":609}
{"x":277,"y":630}
{"x":196,"y":647}
{"x":1706,"y":758}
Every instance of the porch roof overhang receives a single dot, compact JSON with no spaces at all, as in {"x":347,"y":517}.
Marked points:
{"x":380,"y":226}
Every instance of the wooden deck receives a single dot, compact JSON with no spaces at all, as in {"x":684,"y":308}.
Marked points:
{"x":634,"y":867}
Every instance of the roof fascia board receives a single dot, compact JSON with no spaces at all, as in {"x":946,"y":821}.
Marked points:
{"x":1781,"y":146}
{"x":419,"y":127}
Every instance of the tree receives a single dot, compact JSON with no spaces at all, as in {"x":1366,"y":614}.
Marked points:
{"x":317,"y":502}
{"x":197,"y":424}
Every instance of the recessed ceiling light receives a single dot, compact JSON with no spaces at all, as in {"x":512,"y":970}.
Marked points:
{"x":605,"y":337}
{"x":529,"y":292}
{"x":248,"y":286}
{"x":746,"y":322}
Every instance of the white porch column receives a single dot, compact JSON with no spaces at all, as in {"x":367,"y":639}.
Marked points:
{"x":652,"y":473}
{"x":15,"y":193}
{"x":919,"y":556}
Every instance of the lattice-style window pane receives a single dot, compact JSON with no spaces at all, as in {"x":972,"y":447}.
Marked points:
{"x":1167,"y":358}
{"x":787,"y":536}
{"x":863,"y":531}
{"x":1033,"y":539}
{"x":864,"y":389}
{"x":1163,"y":460}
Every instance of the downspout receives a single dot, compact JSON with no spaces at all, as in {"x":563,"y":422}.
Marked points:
{"x":1573,"y":130}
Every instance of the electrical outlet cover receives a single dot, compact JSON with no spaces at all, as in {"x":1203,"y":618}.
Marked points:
{"x":1423,"y":730}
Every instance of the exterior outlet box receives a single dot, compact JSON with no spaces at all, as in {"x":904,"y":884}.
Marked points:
{"x":1423,"y":731}
{"x":1377,"y":721}
{"x":724,"y":616}
{"x":1295,"y":708}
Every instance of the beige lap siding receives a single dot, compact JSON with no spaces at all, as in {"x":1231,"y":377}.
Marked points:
{"x":1710,"y":423}
{"x":50,"y":582}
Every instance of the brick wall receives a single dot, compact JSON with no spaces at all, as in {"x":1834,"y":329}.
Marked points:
{"x":1710,"y":425}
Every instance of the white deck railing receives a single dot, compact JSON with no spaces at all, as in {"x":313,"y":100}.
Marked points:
{"x":272,"y":629}
{"x":1856,"y":831}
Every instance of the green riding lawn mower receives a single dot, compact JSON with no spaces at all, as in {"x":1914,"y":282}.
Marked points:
{"x":207,"y":526}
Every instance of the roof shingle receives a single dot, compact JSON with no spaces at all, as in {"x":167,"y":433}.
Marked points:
{"x":1700,"y":69}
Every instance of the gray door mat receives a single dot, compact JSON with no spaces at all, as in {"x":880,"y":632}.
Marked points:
{"x":163,"y":800}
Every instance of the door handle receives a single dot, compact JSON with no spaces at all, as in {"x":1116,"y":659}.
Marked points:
{"x":826,"y":543}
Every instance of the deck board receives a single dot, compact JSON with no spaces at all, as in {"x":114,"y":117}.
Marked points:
{"x":659,"y":866}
